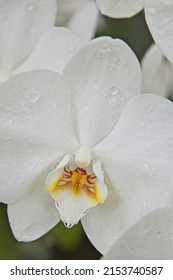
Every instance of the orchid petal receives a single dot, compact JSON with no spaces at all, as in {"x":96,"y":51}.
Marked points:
{"x":35,"y":129}
{"x":66,"y":8}
{"x":34,"y":214}
{"x":21,"y":25}
{"x":106,"y":214}
{"x":141,"y":241}
{"x":157,"y":72}
{"x":160,"y":22}
{"x":53,"y":51}
{"x":80,"y":24}
{"x":120,"y":8}
{"x":102,"y":76}
{"x":137,"y":157}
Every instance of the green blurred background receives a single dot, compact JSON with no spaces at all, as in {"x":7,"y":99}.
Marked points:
{"x":63,"y":243}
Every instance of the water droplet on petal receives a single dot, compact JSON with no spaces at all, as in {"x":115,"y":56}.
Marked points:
{"x":33,"y":96}
{"x":114,"y":92}
{"x":103,"y":51}
{"x":149,"y":108}
{"x":68,"y":225}
{"x":25,"y":108}
{"x":110,"y":67}
{"x":151,"y":170}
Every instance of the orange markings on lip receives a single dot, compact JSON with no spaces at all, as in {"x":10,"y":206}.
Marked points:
{"x":78,"y":179}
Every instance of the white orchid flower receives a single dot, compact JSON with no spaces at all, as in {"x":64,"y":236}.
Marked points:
{"x":157,"y":72}
{"x":22,"y":22}
{"x":87,"y":142}
{"x":159,"y":16}
{"x":80,"y":16}
{"x":149,"y":239}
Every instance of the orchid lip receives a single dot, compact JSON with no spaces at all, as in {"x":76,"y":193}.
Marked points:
{"x":76,"y":189}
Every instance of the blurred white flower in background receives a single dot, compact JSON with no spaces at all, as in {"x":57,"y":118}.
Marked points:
{"x":159,"y":17}
{"x":87,"y":141}
{"x":21,"y":25}
{"x":158,"y":14}
{"x":157,"y":73}
{"x":149,"y":239}
{"x":80,"y":16}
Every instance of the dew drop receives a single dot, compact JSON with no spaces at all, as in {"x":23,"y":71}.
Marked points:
{"x":68,"y":225}
{"x":110,"y":67}
{"x":113,"y":102}
{"x":25,"y":107}
{"x":151,"y":170}
{"x":102,"y":52}
{"x":149,"y":108}
{"x":114,"y":91}
{"x":33,"y":96}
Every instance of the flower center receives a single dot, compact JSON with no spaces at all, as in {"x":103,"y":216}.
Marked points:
{"x":76,"y":189}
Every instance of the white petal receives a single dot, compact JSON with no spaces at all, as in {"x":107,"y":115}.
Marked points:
{"x":160,"y":22}
{"x":141,"y":241}
{"x":21,"y":164}
{"x":120,"y":8}
{"x":103,"y":76}
{"x":104,"y":216}
{"x":80,"y":24}
{"x":53,"y":51}
{"x":35,"y":126}
{"x":66,"y":8}
{"x":34,"y":214}
{"x":157,"y":72}
{"x":137,"y":157}
{"x":21,"y":25}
